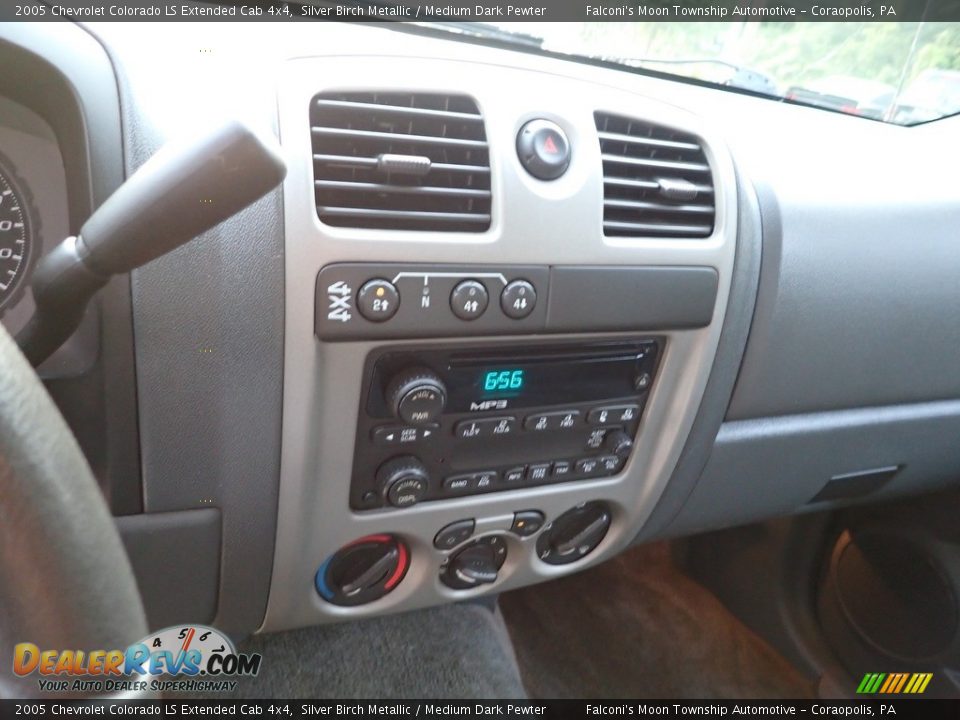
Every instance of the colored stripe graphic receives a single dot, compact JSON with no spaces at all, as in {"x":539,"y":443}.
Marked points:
{"x":894,"y":683}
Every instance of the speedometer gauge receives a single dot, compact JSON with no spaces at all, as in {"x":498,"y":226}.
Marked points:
{"x":15,"y":235}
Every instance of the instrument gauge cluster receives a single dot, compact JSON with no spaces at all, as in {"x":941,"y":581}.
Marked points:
{"x":17,"y":226}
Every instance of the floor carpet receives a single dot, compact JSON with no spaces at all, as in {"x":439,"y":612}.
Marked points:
{"x":637,"y":627}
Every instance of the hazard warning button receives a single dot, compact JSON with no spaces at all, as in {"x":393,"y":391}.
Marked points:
{"x":543,"y":149}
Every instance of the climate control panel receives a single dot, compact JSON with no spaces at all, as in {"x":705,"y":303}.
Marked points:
{"x":439,"y":423}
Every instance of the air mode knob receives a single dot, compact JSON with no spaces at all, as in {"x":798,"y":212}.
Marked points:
{"x":403,"y":481}
{"x":574,"y":534}
{"x":417,"y":396}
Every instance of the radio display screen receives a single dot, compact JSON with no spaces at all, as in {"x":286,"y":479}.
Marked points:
{"x":509,"y":380}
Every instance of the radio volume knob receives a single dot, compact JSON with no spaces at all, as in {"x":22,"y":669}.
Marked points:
{"x":417,"y":396}
{"x":403,"y":481}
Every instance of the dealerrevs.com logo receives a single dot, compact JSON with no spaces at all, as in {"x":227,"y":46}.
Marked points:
{"x":192,"y":658}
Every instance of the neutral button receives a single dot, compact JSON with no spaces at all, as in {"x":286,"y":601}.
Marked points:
{"x":613,"y":414}
{"x":469,"y":300}
{"x":378,"y":300}
{"x":559,"y":420}
{"x":453,"y":534}
{"x":518,"y":299}
{"x":526,"y":523}
{"x":543,"y":149}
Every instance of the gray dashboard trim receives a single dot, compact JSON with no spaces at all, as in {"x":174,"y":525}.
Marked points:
{"x":737,"y":322}
{"x":208,"y":321}
{"x":776,"y":466}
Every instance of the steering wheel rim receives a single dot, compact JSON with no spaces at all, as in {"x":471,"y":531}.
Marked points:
{"x":65,"y":579}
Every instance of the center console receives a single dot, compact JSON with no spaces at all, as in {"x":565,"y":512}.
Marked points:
{"x":504,"y":294}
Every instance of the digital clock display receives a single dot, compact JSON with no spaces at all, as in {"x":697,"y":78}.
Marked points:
{"x":506,"y":380}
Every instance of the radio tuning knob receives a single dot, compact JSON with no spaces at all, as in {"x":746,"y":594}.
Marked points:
{"x":619,"y":443}
{"x":417,"y":396}
{"x":403,"y":481}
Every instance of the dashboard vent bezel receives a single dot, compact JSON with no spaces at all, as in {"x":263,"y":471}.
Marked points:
{"x":657,"y":180}
{"x":369,"y":149}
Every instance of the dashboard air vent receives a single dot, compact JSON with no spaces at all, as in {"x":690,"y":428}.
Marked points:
{"x":400,"y":161}
{"x":656,"y":181}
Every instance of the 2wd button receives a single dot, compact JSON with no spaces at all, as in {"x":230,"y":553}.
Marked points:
{"x":378,"y":300}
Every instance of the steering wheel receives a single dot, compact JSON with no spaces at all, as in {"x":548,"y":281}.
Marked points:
{"x":65,"y":580}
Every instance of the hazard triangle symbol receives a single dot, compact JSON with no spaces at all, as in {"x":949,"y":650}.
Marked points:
{"x":550,"y":146}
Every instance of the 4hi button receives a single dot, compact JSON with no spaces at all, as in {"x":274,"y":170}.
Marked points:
{"x":518,"y":299}
{"x":469,"y":300}
{"x":543,"y":149}
{"x":378,"y":300}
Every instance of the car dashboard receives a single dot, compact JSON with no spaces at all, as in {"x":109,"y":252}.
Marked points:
{"x":507,"y":315}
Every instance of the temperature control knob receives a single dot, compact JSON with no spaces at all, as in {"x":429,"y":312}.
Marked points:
{"x":475,"y":564}
{"x":417,"y":396}
{"x":574,"y":534}
{"x":363,"y":571}
{"x":403,"y":481}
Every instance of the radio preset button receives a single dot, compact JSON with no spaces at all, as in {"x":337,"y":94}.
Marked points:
{"x":556,"y":420}
{"x":588,"y":466}
{"x":518,"y":299}
{"x":453,"y":534}
{"x":486,"y":479}
{"x":515,"y":475}
{"x":469,"y":300}
{"x":485,"y":427}
{"x":610,"y":463}
{"x":540,"y":471}
{"x":613,"y":414}
{"x":378,"y":300}
{"x":460,"y":483}
{"x":595,"y":439}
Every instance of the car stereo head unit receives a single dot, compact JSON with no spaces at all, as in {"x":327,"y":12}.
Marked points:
{"x":437,"y":423}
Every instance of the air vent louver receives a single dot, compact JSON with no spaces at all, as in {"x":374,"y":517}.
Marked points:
{"x":400,"y":161}
{"x":656,"y":181}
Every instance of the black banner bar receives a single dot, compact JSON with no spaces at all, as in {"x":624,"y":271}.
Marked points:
{"x":902,"y":709}
{"x":483,"y":10}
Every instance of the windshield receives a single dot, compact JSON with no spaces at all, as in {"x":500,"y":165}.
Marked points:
{"x":899,"y":72}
